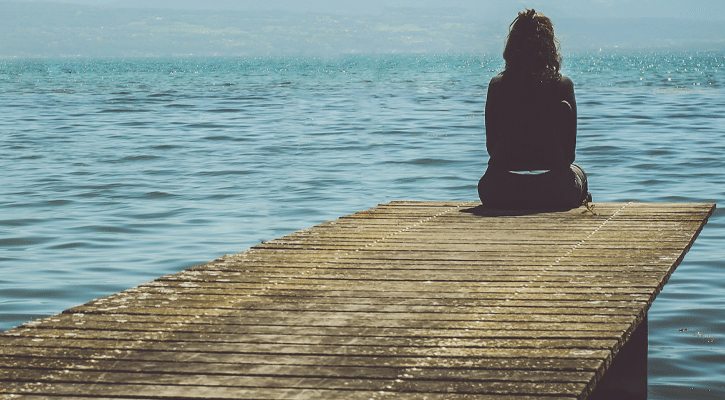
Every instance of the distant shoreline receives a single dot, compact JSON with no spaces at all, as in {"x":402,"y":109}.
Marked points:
{"x":54,"y":30}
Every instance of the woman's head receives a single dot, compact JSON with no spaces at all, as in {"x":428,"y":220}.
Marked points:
{"x":531,"y":47}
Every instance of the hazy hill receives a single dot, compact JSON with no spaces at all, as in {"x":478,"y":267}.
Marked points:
{"x":39,"y":29}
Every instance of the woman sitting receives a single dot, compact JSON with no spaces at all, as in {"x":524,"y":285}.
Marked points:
{"x":531,"y":125}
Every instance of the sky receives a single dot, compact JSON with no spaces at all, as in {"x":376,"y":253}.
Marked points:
{"x":677,"y":9}
{"x":101,"y":28}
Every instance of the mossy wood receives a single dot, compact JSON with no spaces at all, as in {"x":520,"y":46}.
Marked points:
{"x":407,"y":300}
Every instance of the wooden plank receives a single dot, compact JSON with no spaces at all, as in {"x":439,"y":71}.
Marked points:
{"x":56,"y":358}
{"x":407,"y":300}
{"x":212,"y":392}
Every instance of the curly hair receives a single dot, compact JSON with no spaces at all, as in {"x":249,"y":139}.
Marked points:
{"x":531,"y":47}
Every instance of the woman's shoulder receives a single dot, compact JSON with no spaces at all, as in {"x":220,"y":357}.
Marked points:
{"x":496,"y":80}
{"x":566,"y":88}
{"x":502,"y":77}
{"x":504,"y":82}
{"x":565,"y":81}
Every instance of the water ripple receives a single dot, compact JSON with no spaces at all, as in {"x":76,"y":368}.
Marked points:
{"x":142,"y":167}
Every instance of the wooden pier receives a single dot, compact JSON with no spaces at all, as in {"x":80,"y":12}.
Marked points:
{"x":407,"y":300}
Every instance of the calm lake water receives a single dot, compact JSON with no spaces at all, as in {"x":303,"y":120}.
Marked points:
{"x":118,"y":171}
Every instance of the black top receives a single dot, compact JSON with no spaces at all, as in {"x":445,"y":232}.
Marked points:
{"x":528,"y":125}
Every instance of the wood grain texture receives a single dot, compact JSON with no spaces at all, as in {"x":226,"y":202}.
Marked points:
{"x":407,"y":300}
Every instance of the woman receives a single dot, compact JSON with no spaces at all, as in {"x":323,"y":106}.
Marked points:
{"x":531,"y":125}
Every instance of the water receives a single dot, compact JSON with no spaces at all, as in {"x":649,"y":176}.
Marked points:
{"x":118,"y":171}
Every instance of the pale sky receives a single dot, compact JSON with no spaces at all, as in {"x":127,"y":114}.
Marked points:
{"x":98,"y":28}
{"x":677,"y":9}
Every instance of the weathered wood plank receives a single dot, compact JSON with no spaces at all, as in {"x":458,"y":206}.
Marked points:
{"x":276,"y":299}
{"x":477,"y":328}
{"x":444,"y":300}
{"x":57,"y":358}
{"x":204,"y":392}
{"x":479,"y":292}
{"x":139,"y":331}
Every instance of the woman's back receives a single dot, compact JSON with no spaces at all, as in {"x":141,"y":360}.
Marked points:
{"x":530,"y":125}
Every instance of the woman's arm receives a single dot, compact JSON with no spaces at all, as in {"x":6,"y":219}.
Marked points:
{"x":569,"y":120}
{"x":492,"y":115}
